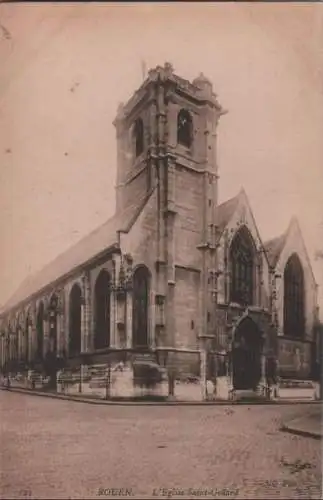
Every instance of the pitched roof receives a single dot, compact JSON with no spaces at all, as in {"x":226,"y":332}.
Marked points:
{"x":226,"y":211}
{"x":274,"y":248}
{"x":101,"y":239}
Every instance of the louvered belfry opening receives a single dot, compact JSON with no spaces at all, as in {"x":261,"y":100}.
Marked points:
{"x":139,"y":137}
{"x":184,"y":128}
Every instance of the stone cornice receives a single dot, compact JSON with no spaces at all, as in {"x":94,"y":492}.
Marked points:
{"x":164,"y":75}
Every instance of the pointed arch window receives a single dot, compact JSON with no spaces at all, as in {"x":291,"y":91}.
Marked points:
{"x":16,"y":345}
{"x":102,"y":310}
{"x":40,"y":331}
{"x":75,"y":305}
{"x":242,"y":268}
{"x":184,"y":128}
{"x":138,"y":132}
{"x":294,"y":298}
{"x":53,"y":312}
{"x":19,"y":338}
{"x":141,"y":279}
{"x":27,"y":339}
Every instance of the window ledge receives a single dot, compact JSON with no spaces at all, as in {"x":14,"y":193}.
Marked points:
{"x":184,"y":150}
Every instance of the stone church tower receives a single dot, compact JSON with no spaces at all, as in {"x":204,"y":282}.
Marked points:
{"x":166,"y":140}
{"x":172,"y":267}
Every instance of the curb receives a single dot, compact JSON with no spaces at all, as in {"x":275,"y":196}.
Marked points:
{"x":300,"y":432}
{"x":104,"y":402}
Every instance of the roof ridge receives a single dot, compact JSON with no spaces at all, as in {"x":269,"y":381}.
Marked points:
{"x":274,"y":247}
{"x":84,"y":249}
{"x":235,"y":197}
{"x":225,"y":211}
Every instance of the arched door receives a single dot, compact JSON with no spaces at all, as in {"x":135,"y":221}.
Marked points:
{"x":246,"y":355}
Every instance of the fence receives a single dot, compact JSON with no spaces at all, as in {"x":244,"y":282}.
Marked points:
{"x":122,"y":373}
{"x":129,"y":373}
{"x":180,"y":374}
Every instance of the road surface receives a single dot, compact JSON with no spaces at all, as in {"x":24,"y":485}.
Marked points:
{"x":63,"y":449}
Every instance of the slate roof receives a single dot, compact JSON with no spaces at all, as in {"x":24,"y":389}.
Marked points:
{"x":101,"y":239}
{"x":274,"y":248}
{"x":226,"y":211}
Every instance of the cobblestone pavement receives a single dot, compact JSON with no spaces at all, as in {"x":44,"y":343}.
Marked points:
{"x":62,"y":449}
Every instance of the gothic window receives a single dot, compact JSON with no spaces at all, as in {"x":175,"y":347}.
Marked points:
{"x":40,"y":331}
{"x":26,"y":340}
{"x":139,"y":136}
{"x":294,"y":298}
{"x":16,"y":346}
{"x":140,"y":307}
{"x":184,"y":128}
{"x":242,"y":268}
{"x":75,"y":303}
{"x":19,"y":340}
{"x":53,"y":311}
{"x":102,"y":311}
{"x":12,"y":344}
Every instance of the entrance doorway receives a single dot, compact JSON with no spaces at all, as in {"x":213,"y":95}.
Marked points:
{"x":246,"y":355}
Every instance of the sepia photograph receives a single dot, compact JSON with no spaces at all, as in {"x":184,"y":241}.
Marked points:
{"x":161,"y":255}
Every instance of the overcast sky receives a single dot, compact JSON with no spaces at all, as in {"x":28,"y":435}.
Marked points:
{"x":65,"y":67}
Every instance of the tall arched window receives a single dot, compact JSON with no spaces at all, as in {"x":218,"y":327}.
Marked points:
{"x":40,"y":331}
{"x":141,"y":280}
{"x":16,"y":354}
{"x":294,"y":298}
{"x":102,"y":311}
{"x":184,"y":128}
{"x":75,"y":303}
{"x":53,"y":310}
{"x":7,"y":343}
{"x":26,"y":344}
{"x":242,"y":268}
{"x":138,"y":132}
{"x":20,"y":338}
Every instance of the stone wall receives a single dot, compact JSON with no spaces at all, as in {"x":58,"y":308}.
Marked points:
{"x":186,"y":308}
{"x":188,"y":222}
{"x":294,"y":358}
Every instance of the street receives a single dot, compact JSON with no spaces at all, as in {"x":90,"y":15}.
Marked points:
{"x":62,"y":449}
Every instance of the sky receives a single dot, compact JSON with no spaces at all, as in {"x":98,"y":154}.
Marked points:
{"x":64,"y":69}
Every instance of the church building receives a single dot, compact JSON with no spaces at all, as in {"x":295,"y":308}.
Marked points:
{"x":173,"y":267}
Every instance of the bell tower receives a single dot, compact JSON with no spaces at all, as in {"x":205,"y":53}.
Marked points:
{"x":167,"y":116}
{"x":166,"y":140}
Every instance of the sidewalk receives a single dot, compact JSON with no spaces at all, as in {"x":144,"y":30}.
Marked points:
{"x":148,"y":402}
{"x":307,"y":426}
